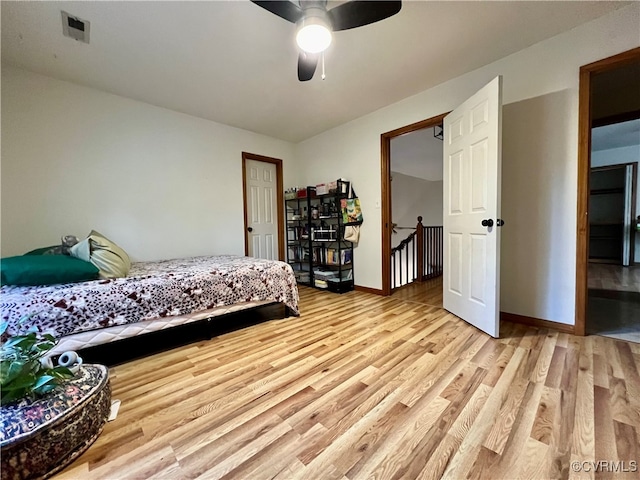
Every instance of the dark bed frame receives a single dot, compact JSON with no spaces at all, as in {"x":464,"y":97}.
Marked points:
{"x":127,"y":349}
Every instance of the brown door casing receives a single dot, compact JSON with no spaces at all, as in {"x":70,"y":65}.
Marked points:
{"x":279,"y":194}
{"x":584,"y":165}
{"x":385,"y":168}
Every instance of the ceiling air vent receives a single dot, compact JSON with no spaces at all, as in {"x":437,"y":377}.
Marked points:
{"x":74,"y":27}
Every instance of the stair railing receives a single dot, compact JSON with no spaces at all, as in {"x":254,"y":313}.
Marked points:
{"x":418,"y":257}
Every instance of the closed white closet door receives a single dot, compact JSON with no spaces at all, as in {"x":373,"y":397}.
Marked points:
{"x":261,"y":201}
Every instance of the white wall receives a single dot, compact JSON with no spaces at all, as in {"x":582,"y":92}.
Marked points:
{"x":616,"y":156}
{"x":159,"y":183}
{"x":539,"y":238}
{"x":411,"y":197}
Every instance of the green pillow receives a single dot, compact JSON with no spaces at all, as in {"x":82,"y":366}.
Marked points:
{"x":45,"y":270}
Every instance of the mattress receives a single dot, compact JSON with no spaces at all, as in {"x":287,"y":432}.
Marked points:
{"x":92,"y":338}
{"x":159,"y":292}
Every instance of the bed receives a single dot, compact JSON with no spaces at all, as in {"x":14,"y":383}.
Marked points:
{"x":153,"y":296}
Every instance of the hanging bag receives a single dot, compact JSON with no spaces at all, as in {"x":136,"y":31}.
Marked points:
{"x":351,"y":211}
{"x":352,"y":233}
{"x":351,"y":216}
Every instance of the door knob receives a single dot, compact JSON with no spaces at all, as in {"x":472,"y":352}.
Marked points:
{"x":250,"y":229}
{"x":487,"y":222}
{"x":499,"y":222}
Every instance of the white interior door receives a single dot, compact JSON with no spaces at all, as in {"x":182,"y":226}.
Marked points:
{"x":472,"y":159}
{"x":262,"y":217}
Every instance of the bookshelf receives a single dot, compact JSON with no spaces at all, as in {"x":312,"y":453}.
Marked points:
{"x":316,"y":248}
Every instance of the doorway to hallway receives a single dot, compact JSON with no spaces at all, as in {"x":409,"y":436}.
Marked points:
{"x":607,"y":302}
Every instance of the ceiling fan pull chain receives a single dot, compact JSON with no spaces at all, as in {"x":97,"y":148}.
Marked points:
{"x":323,"y":76}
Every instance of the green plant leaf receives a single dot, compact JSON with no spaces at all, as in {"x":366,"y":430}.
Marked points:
{"x":3,"y":327}
{"x":14,"y":371}
{"x":25,"y":342}
{"x":60,"y":372}
{"x":9,"y":396}
{"x":17,"y":341}
{"x":45,"y":389}
{"x":5,"y":365}
{"x":22,"y":381}
{"x":21,"y":373}
{"x":44,"y":346}
{"x":43,"y":380}
{"x":44,"y":384}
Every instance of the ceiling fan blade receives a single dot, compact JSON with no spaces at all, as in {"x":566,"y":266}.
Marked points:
{"x":307,"y":63}
{"x":284,"y":9}
{"x":359,"y":12}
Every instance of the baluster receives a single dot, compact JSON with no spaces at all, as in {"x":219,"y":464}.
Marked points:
{"x":432,"y":251}
{"x":436,"y":247}
{"x":420,"y":240}
{"x":441,"y":241}
{"x":400,"y":265}
{"x":427,"y":252}
{"x":416,"y":254}
{"x":393,"y":270}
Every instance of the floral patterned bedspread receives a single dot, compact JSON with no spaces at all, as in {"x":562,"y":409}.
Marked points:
{"x":152,"y":290}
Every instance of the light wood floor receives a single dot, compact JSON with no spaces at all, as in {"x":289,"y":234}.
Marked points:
{"x":603,"y":276}
{"x":428,"y":292}
{"x":362,"y":386}
{"x":614,"y":301}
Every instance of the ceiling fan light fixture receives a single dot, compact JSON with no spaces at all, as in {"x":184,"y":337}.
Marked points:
{"x":314,"y":36}
{"x":315,"y":24}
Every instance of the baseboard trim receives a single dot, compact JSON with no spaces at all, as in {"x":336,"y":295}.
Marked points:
{"x":375,"y":291}
{"x":537,"y":322}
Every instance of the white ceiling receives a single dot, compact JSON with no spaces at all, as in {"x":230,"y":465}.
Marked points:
{"x":235,"y":63}
{"x":417,"y":154}
{"x":618,"y":135}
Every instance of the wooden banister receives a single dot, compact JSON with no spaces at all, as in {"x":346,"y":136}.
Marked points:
{"x":418,"y":257}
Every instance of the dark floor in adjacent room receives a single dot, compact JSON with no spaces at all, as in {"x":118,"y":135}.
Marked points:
{"x":614,"y":314}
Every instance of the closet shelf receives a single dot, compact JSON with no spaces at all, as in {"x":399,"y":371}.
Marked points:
{"x":606,"y":191}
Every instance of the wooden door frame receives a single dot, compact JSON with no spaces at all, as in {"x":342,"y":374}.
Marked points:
{"x":385,"y":171}
{"x":279,"y":198}
{"x":584,"y":166}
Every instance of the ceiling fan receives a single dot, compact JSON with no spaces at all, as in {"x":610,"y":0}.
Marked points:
{"x":315,"y":23}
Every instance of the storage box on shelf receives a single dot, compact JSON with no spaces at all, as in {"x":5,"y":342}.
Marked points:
{"x":316,"y":249}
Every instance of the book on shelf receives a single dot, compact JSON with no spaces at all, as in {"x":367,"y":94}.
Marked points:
{"x":296,"y":253}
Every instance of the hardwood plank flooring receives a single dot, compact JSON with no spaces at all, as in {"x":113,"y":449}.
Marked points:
{"x":603,"y":276}
{"x":613,"y":308}
{"x":614,"y":314}
{"x":362,"y":386}
{"x":428,"y":292}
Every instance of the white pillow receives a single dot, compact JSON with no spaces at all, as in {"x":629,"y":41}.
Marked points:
{"x":111,"y":260}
